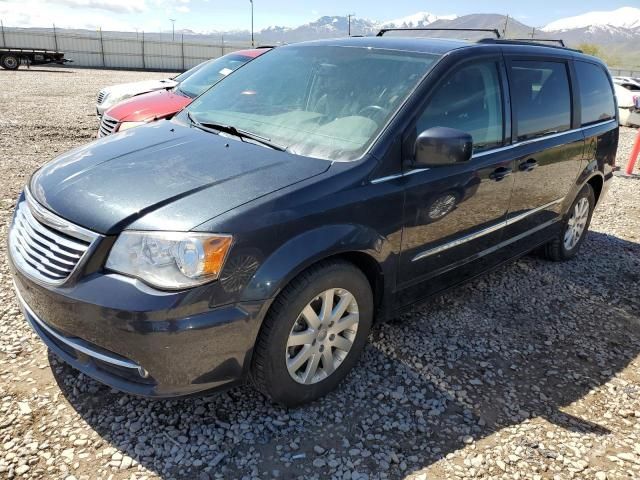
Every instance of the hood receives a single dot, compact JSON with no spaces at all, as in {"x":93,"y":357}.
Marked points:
{"x":163,"y":176}
{"x":137,"y":88}
{"x":149,"y":106}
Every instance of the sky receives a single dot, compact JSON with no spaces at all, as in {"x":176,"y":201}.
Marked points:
{"x":212,"y":15}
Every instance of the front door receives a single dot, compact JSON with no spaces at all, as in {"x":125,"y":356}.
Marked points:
{"x":455,"y":213}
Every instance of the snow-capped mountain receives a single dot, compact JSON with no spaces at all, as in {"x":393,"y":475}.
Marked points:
{"x":323,"y":27}
{"x":337,"y":26}
{"x":625,"y":17}
{"x":417,"y":20}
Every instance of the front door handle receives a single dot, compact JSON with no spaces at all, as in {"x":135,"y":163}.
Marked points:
{"x":528,"y":165}
{"x":499,"y":173}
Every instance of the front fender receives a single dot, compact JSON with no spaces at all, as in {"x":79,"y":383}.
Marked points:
{"x":304,"y":250}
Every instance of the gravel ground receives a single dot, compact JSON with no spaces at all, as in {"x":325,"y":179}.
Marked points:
{"x":532,"y":371}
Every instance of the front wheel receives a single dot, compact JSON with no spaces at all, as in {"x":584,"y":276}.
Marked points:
{"x":10,"y":61}
{"x":574,"y":227}
{"x":313,"y":334}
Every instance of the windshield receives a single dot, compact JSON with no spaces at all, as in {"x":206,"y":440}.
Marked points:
{"x":210,"y":74}
{"x":321,"y":101}
{"x":184,"y":75}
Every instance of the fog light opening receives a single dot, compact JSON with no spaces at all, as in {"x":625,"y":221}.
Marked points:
{"x":143,"y":373}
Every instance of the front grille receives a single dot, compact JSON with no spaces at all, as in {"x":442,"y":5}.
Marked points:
{"x":101,"y":96}
{"x":107,"y":126}
{"x":42,"y":251}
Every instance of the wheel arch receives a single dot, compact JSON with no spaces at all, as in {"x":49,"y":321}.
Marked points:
{"x":591,"y":176}
{"x":597,"y":183}
{"x":359,"y":245}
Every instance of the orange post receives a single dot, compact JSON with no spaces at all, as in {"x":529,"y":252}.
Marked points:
{"x":634,"y":155}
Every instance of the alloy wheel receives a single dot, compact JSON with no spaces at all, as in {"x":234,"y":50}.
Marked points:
{"x":322,"y":336}
{"x":576,"y":224}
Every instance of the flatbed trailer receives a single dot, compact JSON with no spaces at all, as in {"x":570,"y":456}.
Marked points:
{"x":11,"y":58}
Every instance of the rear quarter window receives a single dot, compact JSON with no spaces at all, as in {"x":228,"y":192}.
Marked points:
{"x":596,"y":95}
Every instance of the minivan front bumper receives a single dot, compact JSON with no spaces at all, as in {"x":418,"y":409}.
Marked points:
{"x":127,"y":336}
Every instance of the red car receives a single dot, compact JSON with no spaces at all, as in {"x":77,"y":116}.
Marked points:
{"x":166,"y":103}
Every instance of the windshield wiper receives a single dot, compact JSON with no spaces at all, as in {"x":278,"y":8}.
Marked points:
{"x":237,"y":132}
{"x":179,"y":91}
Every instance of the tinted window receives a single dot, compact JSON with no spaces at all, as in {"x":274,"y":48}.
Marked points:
{"x":631,"y":86}
{"x":541,"y":96}
{"x":596,"y":97}
{"x":469,"y":100}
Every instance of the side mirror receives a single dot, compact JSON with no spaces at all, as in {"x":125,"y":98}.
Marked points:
{"x":439,"y":146}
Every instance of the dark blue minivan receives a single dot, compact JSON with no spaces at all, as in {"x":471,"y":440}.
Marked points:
{"x":323,"y":186}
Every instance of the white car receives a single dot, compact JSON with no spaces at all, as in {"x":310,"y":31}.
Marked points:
{"x":109,"y":96}
{"x":622,"y":80}
{"x":628,"y":97}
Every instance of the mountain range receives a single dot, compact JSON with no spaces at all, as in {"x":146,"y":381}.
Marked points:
{"x":617,"y":32}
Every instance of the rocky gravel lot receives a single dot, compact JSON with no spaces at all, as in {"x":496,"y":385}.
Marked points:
{"x":530,"y":372}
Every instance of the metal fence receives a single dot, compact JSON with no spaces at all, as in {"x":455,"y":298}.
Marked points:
{"x":624,"y":72}
{"x":139,"y":50}
{"x":135,"y":50}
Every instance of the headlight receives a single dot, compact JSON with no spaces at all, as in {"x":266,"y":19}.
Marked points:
{"x":112,"y":98}
{"x":170,"y":260}
{"x":128,"y":125}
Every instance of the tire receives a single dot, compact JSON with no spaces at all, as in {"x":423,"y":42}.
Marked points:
{"x":275,"y":358}
{"x":10,"y":61}
{"x":560,"y":249}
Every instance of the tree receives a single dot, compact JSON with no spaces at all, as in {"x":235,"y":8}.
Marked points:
{"x":595,"y":50}
{"x":591,"y":49}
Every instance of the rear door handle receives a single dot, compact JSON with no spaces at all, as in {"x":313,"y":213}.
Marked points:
{"x":499,"y":173}
{"x":528,"y":165}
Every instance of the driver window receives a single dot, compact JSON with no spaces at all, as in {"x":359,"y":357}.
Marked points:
{"x":470,"y":99}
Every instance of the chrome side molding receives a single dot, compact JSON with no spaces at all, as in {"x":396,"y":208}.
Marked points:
{"x":485,"y":231}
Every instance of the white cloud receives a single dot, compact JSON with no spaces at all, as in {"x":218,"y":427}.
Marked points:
{"x":118,"y":6}
{"x":37,"y":13}
{"x":182,"y":9}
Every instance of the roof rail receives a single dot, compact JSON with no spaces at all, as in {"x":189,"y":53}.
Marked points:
{"x":420,"y":29}
{"x":540,"y":42}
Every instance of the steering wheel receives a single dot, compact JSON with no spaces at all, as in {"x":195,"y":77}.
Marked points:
{"x":377,"y":111}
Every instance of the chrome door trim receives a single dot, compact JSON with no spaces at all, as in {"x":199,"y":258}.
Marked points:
{"x":399,"y":175}
{"x":481,"y":233}
{"x":540,"y":139}
{"x":500,"y":149}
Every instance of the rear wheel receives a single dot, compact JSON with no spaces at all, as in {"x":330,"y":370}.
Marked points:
{"x":574,"y":227}
{"x":10,"y":61}
{"x":313,"y":334}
